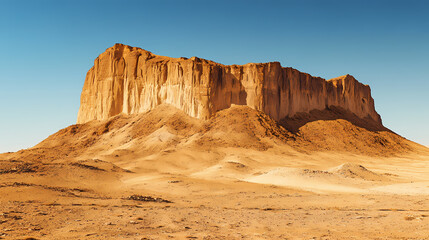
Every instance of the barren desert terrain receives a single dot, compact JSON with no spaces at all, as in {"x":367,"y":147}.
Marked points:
{"x":178,"y":148}
{"x":239,"y":175}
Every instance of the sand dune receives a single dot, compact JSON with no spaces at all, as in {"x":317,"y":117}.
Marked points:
{"x":304,"y":179}
{"x":350,"y":170}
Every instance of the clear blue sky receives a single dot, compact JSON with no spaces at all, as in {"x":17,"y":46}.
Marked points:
{"x":48,"y":46}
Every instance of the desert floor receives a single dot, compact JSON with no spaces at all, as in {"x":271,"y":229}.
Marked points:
{"x":299,"y":197}
{"x":164,"y":175}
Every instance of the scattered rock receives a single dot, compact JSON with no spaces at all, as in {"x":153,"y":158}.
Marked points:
{"x":141,"y":198}
{"x":76,"y":164}
{"x":17,"y":167}
{"x":174,"y":181}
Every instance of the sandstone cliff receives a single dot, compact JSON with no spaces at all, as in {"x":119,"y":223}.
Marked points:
{"x":131,"y":80}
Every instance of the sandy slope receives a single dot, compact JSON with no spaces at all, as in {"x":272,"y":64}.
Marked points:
{"x":238,"y":175}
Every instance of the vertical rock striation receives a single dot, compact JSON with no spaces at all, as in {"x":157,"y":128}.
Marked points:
{"x":131,"y":80}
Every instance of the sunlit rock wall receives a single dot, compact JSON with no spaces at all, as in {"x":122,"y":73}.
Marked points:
{"x":131,"y":80}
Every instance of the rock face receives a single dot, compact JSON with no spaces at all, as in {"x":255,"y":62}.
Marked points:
{"x":131,"y":80}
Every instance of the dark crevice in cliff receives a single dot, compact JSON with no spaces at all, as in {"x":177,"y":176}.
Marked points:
{"x":293,"y":124}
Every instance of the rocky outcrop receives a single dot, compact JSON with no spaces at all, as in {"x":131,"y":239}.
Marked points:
{"x":131,"y":80}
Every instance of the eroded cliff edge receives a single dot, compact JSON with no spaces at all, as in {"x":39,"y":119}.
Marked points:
{"x":131,"y":80}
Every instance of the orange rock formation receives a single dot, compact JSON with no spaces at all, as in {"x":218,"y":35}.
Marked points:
{"x":131,"y":80}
